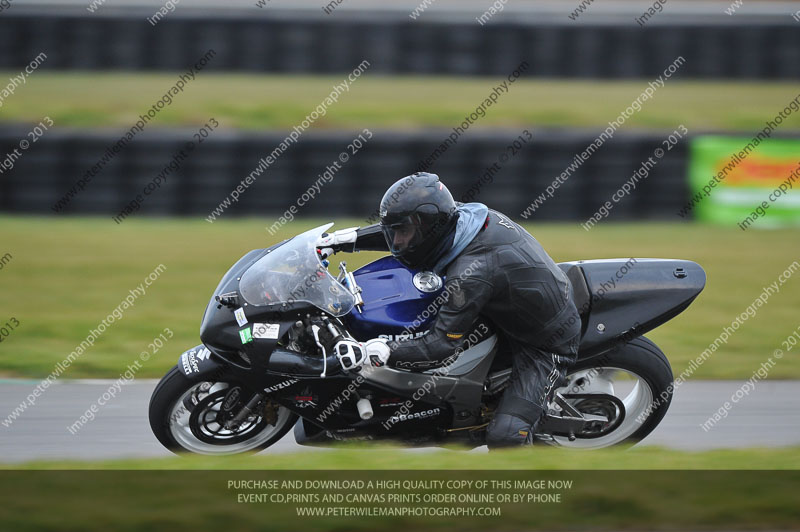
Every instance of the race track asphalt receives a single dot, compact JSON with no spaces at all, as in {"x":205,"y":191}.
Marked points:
{"x":768,"y":417}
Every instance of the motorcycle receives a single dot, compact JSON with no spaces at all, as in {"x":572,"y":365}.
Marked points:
{"x":267,"y":365}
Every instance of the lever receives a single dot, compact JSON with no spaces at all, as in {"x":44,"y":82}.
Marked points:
{"x":342,"y":271}
{"x":315,"y":331}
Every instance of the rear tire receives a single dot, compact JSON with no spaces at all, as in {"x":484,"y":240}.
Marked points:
{"x":642,"y":358}
{"x":171,"y":389}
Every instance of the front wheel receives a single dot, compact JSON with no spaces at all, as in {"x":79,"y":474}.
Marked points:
{"x":632,"y":387}
{"x":184,"y":416}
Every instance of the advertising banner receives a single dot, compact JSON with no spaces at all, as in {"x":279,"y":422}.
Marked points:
{"x":745,"y":182}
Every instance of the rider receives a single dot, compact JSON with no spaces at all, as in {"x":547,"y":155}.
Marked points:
{"x":493,"y":268}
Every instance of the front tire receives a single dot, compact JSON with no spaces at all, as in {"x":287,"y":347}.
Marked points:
{"x":175,"y":423}
{"x":639,"y":375}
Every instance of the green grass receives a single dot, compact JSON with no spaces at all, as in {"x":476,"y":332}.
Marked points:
{"x":379,"y":457}
{"x":608,"y":490}
{"x":67,"y":275}
{"x":85,"y":100}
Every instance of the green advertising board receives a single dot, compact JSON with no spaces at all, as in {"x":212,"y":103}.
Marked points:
{"x":745,"y":182}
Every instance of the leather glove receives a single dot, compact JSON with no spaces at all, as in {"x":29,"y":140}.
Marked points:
{"x":341,"y":240}
{"x":377,"y":352}
{"x":351,"y":354}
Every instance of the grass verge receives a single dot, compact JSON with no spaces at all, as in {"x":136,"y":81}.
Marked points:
{"x":706,"y":495}
{"x":81,"y":99}
{"x":379,"y":457}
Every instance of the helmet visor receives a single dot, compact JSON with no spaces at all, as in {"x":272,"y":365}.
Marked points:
{"x":410,"y":236}
{"x":402,"y":235}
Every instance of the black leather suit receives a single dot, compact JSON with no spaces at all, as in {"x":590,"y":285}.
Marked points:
{"x":505,"y":275}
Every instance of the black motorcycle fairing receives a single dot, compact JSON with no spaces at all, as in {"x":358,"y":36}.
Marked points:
{"x":421,"y":432}
{"x":202,"y":364}
{"x":625,"y":298}
{"x":215,"y":329}
{"x":330,"y":404}
{"x":199,"y":364}
{"x":302,"y":365}
{"x":306,"y":433}
{"x":249,"y":359}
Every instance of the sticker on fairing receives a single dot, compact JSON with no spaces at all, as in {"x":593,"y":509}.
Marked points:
{"x":266,"y":330}
{"x":246,"y":336}
{"x":241,"y":319}
{"x":189,"y":367}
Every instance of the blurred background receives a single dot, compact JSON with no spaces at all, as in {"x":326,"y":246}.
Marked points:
{"x":176,"y":135}
{"x":190,"y":99}
{"x":275,"y":61}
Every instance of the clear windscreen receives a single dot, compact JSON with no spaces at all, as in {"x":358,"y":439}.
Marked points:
{"x":293,"y":273}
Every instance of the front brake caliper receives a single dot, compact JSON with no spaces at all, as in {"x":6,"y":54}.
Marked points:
{"x":270,"y":412}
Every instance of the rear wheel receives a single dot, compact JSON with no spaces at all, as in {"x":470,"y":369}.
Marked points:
{"x":630,"y":386}
{"x":185,"y":417}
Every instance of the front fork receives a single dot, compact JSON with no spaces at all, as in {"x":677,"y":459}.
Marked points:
{"x":243,"y":413}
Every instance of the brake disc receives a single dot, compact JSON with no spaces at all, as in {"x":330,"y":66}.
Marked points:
{"x":206,"y":426}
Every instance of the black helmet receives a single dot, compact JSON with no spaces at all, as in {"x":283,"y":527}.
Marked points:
{"x":418,"y":219}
